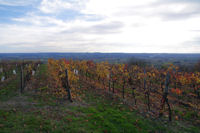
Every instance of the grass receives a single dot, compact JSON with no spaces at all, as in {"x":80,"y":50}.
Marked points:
{"x":97,"y":115}
{"x":10,"y":90}
{"x":11,"y":121}
{"x":42,"y":70}
{"x":102,"y":117}
{"x":107,"y":116}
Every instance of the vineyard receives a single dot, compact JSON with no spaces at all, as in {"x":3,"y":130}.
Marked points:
{"x":133,"y":83}
{"x":165,"y":95}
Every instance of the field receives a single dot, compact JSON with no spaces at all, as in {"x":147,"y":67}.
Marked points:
{"x":102,"y":98}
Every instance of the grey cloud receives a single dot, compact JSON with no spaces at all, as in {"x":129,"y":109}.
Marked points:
{"x":180,"y":1}
{"x":195,"y":42}
{"x":105,"y":28}
{"x":178,"y":16}
{"x":192,"y":9}
{"x":195,"y":30}
{"x":160,"y":9}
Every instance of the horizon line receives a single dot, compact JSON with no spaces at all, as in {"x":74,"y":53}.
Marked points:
{"x":90,"y":53}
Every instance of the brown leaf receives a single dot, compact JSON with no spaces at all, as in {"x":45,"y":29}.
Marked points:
{"x":176,"y":117}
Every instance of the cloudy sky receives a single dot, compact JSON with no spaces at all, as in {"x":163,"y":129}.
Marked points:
{"x":131,"y":26}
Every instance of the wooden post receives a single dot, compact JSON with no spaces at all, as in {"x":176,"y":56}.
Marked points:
{"x":22,"y":79}
{"x":123,"y":89}
{"x":148,"y":99}
{"x":165,"y":99}
{"x":146,"y":91}
{"x":198,"y":93}
{"x":133,"y":94}
{"x":132,"y":84}
{"x":113,"y":86}
{"x":109,"y":85}
{"x":144,"y":80}
{"x":110,"y":76}
{"x":67,"y":86}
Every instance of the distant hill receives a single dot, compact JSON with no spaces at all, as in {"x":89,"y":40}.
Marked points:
{"x":156,"y":58}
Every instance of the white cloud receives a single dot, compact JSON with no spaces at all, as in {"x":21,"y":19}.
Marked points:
{"x":55,"y":6}
{"x":122,"y":26}
{"x":17,"y":2}
{"x":51,"y":6}
{"x":110,"y":7}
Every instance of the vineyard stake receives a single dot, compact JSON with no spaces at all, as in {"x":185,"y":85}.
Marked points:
{"x":67,"y":86}
{"x":165,"y":99}
{"x":22,"y":79}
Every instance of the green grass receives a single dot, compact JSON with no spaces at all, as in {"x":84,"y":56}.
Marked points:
{"x":191,"y":115}
{"x":42,"y":70}
{"x":95,"y":118}
{"x":11,"y":121}
{"x":107,"y":116}
{"x":97,"y":115}
{"x":10,"y":90}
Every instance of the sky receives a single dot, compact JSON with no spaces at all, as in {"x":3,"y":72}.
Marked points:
{"x":128,"y":26}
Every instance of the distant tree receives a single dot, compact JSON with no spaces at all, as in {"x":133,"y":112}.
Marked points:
{"x":138,"y":62}
{"x":197,"y":66}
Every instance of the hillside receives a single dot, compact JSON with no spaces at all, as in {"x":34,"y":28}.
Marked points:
{"x":93,"y":111}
